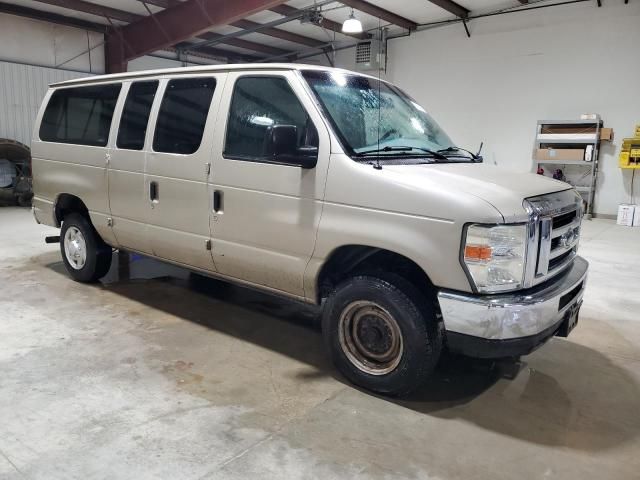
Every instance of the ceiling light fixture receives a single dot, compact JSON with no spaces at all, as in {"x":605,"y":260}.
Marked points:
{"x":352,"y":24}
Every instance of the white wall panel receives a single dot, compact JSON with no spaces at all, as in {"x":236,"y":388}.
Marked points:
{"x":22,"y":88}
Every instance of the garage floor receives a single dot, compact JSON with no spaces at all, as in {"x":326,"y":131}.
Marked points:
{"x":160,"y":374}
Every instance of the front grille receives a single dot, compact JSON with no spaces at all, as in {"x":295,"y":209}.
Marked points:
{"x":564,"y":219}
{"x":560,"y":259}
{"x":555,"y":233}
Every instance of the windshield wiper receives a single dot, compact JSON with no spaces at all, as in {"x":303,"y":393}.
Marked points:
{"x":474,"y":156}
{"x":388,"y":148}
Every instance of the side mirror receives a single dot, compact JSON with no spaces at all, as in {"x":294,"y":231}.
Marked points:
{"x":307,"y":156}
{"x":284,"y":140}
{"x":283,"y":147}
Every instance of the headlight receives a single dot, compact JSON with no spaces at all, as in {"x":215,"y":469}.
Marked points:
{"x":494,"y":256}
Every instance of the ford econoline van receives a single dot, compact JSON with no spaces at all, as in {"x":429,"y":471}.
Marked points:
{"x":322,"y":185}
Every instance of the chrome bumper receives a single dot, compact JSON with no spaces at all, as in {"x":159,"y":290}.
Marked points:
{"x":516,"y":315}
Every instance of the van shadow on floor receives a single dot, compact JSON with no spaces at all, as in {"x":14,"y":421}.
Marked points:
{"x":568,"y":395}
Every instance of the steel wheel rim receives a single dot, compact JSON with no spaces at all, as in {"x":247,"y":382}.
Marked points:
{"x":75,"y":248}
{"x":370,"y":337}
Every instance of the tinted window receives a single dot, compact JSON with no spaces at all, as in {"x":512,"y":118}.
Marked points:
{"x":183,"y":114}
{"x":258,"y":104}
{"x":80,"y":115}
{"x":135,"y":115}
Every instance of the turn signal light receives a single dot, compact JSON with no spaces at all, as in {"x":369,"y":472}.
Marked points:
{"x":477,"y":253}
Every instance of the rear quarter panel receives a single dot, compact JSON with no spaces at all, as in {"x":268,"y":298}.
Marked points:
{"x":75,"y":169}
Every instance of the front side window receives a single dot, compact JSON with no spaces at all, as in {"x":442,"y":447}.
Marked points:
{"x":80,"y":115}
{"x":183,"y":115}
{"x":259,"y":104}
{"x":370,"y":115}
{"x":135,"y":115}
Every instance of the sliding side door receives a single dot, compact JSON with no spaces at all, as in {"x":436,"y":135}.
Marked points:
{"x":178,"y":166}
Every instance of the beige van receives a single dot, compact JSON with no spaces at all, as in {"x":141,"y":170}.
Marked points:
{"x":323,"y":185}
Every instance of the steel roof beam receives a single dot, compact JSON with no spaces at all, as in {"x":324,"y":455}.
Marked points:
{"x":452,"y":7}
{"x":127,"y":17}
{"x":381,"y":13}
{"x":179,"y":23}
{"x":258,"y":28}
{"x":277,"y":33}
{"x":288,"y":11}
{"x":248,"y":24}
{"x":240,"y":43}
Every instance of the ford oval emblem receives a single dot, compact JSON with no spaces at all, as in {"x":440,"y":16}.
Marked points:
{"x":569,"y":237}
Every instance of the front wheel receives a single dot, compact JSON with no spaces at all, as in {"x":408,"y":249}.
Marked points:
{"x":86,"y":257}
{"x":381,"y":333}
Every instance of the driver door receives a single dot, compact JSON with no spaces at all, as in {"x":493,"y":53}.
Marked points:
{"x":266,"y":214}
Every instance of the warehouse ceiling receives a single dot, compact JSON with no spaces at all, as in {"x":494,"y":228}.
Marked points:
{"x":235,"y":30}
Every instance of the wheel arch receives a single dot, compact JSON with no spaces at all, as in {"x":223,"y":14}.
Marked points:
{"x":353,"y":259}
{"x":66,"y":203}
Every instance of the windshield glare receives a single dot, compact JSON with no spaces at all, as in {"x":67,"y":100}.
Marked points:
{"x":369,"y":114}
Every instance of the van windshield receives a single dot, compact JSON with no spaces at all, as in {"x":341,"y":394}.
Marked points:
{"x":375,"y":117}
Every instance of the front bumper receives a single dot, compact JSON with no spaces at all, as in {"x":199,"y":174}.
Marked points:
{"x":514,"y":324}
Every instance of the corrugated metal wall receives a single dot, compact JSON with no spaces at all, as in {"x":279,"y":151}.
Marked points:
{"x":22,"y":88}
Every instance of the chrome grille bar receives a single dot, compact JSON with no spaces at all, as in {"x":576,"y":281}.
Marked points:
{"x":562,"y":249}
{"x":557,"y":232}
{"x":545,"y":247}
{"x":561,"y":266}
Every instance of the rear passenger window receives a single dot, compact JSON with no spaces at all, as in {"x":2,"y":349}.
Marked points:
{"x":183,"y":114}
{"x":257,"y":105}
{"x":135,"y":115}
{"x":80,"y":115}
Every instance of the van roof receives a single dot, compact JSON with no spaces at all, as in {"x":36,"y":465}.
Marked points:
{"x":200,"y":69}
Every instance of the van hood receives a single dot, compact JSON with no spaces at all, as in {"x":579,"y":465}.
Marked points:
{"x":503,"y":189}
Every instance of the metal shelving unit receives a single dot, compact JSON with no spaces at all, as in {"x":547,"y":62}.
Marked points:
{"x":559,"y":141}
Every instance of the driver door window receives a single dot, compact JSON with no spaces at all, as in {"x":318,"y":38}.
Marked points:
{"x":257,"y":105}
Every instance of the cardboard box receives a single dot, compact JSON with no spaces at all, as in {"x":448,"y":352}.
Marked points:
{"x":626,"y":214}
{"x":559,"y":154}
{"x":606,"y":134}
{"x":567,"y":129}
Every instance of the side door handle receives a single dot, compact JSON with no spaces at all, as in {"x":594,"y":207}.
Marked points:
{"x":217,"y":201}
{"x":153,"y":191}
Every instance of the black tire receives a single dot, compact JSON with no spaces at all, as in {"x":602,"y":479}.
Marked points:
{"x":392,"y":297}
{"x":24,"y":200}
{"x":98,"y":253}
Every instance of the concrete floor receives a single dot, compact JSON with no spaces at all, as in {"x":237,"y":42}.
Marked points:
{"x":156,"y":373}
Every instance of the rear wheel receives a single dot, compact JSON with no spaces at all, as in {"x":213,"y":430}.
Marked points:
{"x":86,"y":257}
{"x":381,"y":333}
